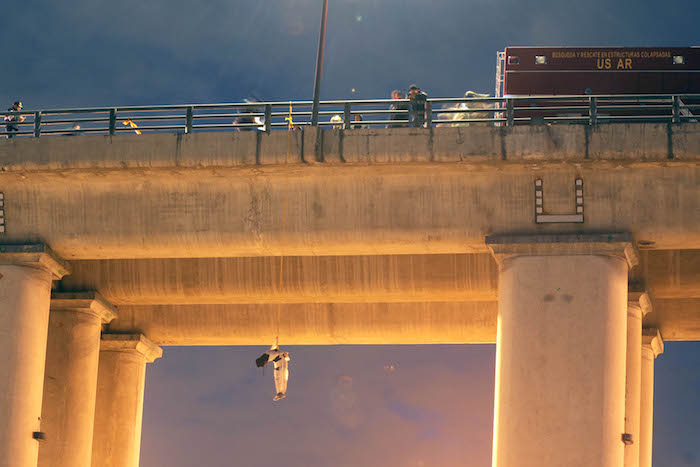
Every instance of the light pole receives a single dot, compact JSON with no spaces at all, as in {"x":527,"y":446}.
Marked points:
{"x":319,"y":65}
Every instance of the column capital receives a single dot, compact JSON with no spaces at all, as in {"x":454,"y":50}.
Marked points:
{"x":131,"y":343}
{"x":640,"y":300}
{"x":651,"y":340}
{"x":34,"y":255}
{"x":602,"y":244}
{"x":85,"y":302}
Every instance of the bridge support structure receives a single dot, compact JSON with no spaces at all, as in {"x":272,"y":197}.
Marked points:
{"x":119,"y":405}
{"x":70,"y":383}
{"x":26,"y":272}
{"x":638,"y":306}
{"x":560,"y":349}
{"x":652,"y":347}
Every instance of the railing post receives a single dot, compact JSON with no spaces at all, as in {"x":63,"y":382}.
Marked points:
{"x":37,"y":124}
{"x":510,"y":112}
{"x":676,"y":109}
{"x":592,"y":111}
{"x":428,"y":114}
{"x":268,"y":118}
{"x":347,"y":116}
{"x":189,"y":118}
{"x":112,"y":121}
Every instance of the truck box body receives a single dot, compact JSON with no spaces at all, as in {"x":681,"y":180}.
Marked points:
{"x":530,"y":71}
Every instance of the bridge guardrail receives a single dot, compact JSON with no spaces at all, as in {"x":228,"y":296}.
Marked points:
{"x":375,"y":113}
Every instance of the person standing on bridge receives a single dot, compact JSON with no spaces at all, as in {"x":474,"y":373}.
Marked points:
{"x":281,"y":372}
{"x":12,"y":120}
{"x":416,"y":106}
{"x":398,"y":109}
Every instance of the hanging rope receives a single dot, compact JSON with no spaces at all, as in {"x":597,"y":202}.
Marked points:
{"x":290,"y":127}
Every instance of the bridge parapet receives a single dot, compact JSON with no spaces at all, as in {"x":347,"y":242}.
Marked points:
{"x":548,"y":144}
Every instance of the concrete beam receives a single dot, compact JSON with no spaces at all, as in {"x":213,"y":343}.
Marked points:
{"x":472,"y":322}
{"x":306,"y":279}
{"x":313,"y":323}
{"x":403,"y":191}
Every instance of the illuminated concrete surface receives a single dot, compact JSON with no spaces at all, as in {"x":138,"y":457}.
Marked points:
{"x":194,"y":223}
{"x":70,"y":381}
{"x":26,"y":272}
{"x":652,"y":346}
{"x":361,"y":192}
{"x":560,"y":351}
{"x":638,"y":305}
{"x":382,"y":234}
{"x":119,"y":406}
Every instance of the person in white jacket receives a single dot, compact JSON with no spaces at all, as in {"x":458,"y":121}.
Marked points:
{"x":281,"y":372}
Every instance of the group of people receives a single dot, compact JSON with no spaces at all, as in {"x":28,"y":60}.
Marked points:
{"x":413,"y":111}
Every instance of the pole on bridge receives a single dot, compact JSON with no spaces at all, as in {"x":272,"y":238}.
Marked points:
{"x":319,"y":65}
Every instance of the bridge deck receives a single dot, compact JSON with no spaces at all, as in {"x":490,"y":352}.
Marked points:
{"x":184,"y":232}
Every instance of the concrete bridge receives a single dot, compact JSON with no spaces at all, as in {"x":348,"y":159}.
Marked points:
{"x":575,"y":249}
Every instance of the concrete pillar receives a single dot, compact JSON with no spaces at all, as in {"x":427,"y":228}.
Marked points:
{"x":638,"y":305}
{"x":560,"y":355}
{"x":70,"y":381}
{"x":652,"y":346}
{"x":119,"y":408}
{"x":26,"y":272}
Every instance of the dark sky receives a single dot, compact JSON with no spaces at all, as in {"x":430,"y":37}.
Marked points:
{"x":210,"y":406}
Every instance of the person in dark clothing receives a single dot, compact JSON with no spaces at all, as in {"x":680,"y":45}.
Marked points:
{"x":13,"y":119}
{"x":416,"y":106}
{"x":357,"y":122}
{"x":399,"y":108}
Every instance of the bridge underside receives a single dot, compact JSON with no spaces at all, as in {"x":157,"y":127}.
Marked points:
{"x":382,"y":231}
{"x":397,"y":299}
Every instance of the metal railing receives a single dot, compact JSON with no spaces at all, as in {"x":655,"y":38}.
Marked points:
{"x":268,"y":116}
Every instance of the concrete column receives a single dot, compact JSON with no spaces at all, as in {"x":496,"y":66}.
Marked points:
{"x":638,"y":305}
{"x":119,"y":408}
{"x":560,"y":358}
{"x":652,"y":346}
{"x":26,"y":272}
{"x":70,"y":381}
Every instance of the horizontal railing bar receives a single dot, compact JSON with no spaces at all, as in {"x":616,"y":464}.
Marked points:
{"x":566,"y":119}
{"x":636,"y":107}
{"x":151,"y":117}
{"x":202,"y":116}
{"x":635,"y":117}
{"x":459,"y":111}
{"x":553,"y":109}
{"x":70,"y":131}
{"x":71,"y":121}
{"x":230,"y":125}
{"x":150,"y":128}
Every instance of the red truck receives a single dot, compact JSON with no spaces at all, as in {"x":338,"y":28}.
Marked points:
{"x":581,"y":71}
